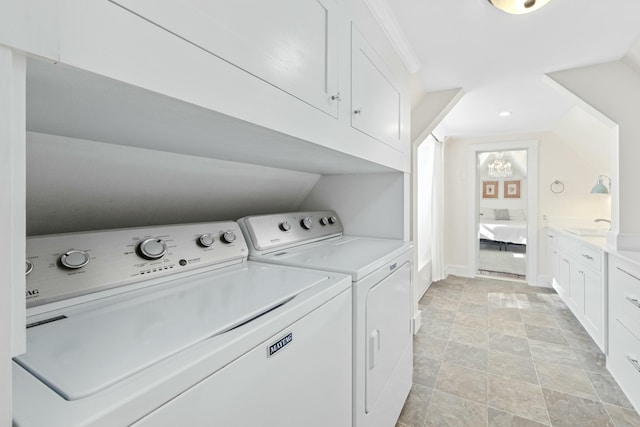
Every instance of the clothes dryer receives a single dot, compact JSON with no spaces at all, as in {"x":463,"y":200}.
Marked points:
{"x":381,"y":273}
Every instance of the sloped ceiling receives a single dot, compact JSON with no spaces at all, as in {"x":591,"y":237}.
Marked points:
{"x":499,"y":59}
{"x":588,"y":138}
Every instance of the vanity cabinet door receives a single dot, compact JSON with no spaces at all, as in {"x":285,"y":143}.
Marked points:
{"x":623,"y":357}
{"x":580,"y":282}
{"x":564,"y":276}
{"x":594,"y":307}
{"x":290,"y":44}
{"x":552,"y":254}
{"x":576,"y":292}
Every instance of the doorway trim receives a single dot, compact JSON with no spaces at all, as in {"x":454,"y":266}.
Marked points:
{"x":532,"y":203}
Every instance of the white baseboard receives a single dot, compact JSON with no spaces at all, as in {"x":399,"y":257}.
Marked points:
{"x":423,"y":280}
{"x":416,"y":322}
{"x":545,"y":281}
{"x":459,"y":270}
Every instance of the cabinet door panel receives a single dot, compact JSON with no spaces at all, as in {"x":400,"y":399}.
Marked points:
{"x":576,"y":297}
{"x":594,"y":306}
{"x":291,"y":44}
{"x":553,"y":260}
{"x":375,"y":98}
{"x":564,"y":276}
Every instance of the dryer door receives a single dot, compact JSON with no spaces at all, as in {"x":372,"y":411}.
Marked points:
{"x":388,"y":314}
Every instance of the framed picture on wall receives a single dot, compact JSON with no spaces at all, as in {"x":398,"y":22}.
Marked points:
{"x":511,"y":189}
{"x":489,"y":189}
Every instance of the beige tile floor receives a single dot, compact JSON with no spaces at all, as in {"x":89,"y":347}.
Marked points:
{"x":500,"y":353}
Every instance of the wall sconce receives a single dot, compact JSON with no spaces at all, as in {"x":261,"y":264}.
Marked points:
{"x":518,"y":7}
{"x":600,"y":187}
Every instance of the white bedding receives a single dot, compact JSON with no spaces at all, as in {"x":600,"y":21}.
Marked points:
{"x":508,"y":231}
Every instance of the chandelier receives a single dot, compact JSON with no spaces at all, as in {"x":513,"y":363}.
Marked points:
{"x":500,"y":168}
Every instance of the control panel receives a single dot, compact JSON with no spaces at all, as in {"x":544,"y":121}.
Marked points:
{"x":68,"y":265}
{"x":266,"y":233}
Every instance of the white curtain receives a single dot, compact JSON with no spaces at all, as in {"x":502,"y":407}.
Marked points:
{"x":438,"y":269}
{"x":425,"y":176}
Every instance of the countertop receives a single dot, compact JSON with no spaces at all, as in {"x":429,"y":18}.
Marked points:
{"x":629,"y":256}
{"x":599,"y":243}
{"x":596,"y":242}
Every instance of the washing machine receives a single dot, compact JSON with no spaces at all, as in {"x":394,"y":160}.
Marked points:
{"x":381,"y":274}
{"x":172,"y":325}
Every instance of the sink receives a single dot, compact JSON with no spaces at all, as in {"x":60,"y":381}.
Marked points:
{"x":587,"y":232}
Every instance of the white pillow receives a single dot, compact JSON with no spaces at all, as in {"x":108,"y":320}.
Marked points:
{"x":502,"y":214}
{"x":486,"y":213}
{"x":517,"y":214}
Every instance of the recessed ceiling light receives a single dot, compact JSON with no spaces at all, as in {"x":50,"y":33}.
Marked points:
{"x":505,"y":114}
{"x":518,"y":7}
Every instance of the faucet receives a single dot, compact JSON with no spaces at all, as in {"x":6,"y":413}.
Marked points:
{"x":603,"y":220}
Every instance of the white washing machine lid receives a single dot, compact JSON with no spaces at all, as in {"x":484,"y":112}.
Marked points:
{"x":94,"y":345}
{"x":353,"y":255}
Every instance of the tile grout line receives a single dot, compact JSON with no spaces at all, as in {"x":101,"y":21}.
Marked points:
{"x":535,"y":368}
{"x":580,"y":348}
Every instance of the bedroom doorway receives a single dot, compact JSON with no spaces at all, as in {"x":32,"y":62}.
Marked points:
{"x":502,"y":223}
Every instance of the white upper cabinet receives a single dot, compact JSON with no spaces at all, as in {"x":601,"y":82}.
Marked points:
{"x":291,"y":44}
{"x":281,"y":80}
{"x":30,"y":26}
{"x":375,"y":96}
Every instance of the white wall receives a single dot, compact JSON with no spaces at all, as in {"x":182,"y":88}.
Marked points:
{"x":456,"y":176}
{"x":426,"y":114}
{"x":425,"y":183}
{"x":560,"y":159}
{"x":557,"y":159}
{"x":613,"y":89}
{"x":77,"y":185}
{"x":373,"y":205}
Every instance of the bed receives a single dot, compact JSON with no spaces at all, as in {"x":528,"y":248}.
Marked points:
{"x":503,"y":231}
{"x":502,"y":227}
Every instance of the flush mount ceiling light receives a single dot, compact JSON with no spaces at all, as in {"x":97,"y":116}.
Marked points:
{"x":505,"y":114}
{"x":518,"y":7}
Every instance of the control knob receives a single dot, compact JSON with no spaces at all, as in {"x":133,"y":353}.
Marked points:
{"x":28,"y":267}
{"x":228,"y":237}
{"x":285,"y":226}
{"x":74,"y":259}
{"x":306,"y":223}
{"x":152,"y":249}
{"x":324,"y":221}
{"x":206,"y":240}
{"x":332,"y":220}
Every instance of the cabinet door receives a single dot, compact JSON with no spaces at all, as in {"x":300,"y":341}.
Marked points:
{"x":564,"y":276}
{"x":576,"y":297}
{"x":375,"y":96}
{"x":291,"y":44}
{"x":554,"y":262}
{"x":594,"y":300}
{"x":552,"y":255}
